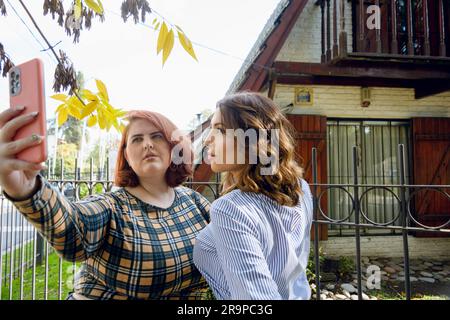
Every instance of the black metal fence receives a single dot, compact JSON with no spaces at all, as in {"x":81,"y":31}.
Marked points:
{"x":357,"y":192}
{"x":29,"y":269}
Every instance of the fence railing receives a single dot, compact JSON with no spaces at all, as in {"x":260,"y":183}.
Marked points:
{"x":30,"y":269}
{"x":406,"y":214}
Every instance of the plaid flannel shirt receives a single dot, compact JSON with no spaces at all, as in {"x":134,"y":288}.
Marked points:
{"x":129,"y":248}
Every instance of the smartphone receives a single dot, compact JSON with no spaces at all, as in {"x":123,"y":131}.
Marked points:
{"x":26,"y":88}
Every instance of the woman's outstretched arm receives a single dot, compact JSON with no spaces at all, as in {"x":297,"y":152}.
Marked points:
{"x":75,"y":230}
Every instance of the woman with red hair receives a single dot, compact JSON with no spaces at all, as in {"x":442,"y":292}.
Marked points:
{"x":135,"y":242}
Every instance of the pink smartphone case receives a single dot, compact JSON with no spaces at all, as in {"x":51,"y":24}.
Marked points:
{"x":32,"y":96}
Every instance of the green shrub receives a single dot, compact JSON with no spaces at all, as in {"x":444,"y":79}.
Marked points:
{"x":346,"y":267}
{"x":311,"y":268}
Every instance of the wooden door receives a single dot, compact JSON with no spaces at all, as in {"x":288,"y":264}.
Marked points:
{"x":311,"y":132}
{"x":431,"y":157}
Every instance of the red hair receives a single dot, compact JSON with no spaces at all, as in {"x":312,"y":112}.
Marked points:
{"x":176,"y":174}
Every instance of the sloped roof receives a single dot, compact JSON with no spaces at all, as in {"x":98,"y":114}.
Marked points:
{"x":254,"y":70}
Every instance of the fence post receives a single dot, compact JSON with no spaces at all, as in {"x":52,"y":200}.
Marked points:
{"x":107,"y":173}
{"x":316,"y":223}
{"x":357,"y":231}
{"x":404,"y":217}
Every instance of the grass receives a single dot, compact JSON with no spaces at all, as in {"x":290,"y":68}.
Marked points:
{"x":53,"y":279}
{"x":389,"y":292}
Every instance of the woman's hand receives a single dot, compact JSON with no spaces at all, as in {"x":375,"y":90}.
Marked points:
{"x":17,"y":177}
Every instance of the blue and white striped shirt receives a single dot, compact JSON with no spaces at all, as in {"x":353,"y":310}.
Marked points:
{"x":255,"y":248}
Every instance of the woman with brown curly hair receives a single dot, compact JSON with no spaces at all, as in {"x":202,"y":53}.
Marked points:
{"x":257,"y":244}
{"x":135,"y":242}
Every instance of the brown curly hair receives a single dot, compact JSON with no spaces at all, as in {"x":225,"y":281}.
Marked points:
{"x":250,"y":110}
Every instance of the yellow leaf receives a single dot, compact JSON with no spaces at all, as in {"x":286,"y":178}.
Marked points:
{"x":157,"y":26}
{"x":85,"y":93}
{"x":59,"y":97}
{"x":102,"y":89}
{"x":116,"y":125}
{"x":108,"y":126}
{"x":109,"y":110}
{"x":94,"y":6}
{"x":186,"y":44}
{"x":62,"y":117}
{"x":120,"y":113}
{"x":77,"y":9}
{"x":60,"y":107}
{"x":154,"y":21}
{"x":88,"y":109}
{"x":168,"y":45}
{"x":92,"y":121}
{"x":122,"y":127}
{"x":73,"y":100}
{"x":100,"y":5}
{"x":74,"y":111}
{"x":101,"y":119}
{"x":74,"y":107}
{"x":162,"y":37}
{"x":109,"y":114}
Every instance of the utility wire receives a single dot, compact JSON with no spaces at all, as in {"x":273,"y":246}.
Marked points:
{"x":48,"y":43}
{"x":197,"y":43}
{"x":29,"y":30}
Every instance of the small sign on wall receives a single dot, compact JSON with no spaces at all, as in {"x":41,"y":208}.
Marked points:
{"x":304,"y":96}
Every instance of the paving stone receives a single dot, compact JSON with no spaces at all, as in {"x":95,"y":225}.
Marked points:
{"x":425,"y":279}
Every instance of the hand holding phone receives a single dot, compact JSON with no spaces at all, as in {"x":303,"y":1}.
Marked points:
{"x":26,"y":88}
{"x":23,"y":131}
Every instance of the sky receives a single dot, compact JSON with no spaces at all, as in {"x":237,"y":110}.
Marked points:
{"x":123,"y":55}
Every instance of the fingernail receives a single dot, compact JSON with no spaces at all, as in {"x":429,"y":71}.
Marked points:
{"x":35,"y":137}
{"x":20,"y":108}
{"x":34,"y":114}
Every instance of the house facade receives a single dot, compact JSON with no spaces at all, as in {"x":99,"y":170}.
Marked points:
{"x":370,"y":74}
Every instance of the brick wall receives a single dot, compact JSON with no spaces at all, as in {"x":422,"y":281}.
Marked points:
{"x":345,"y":101}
